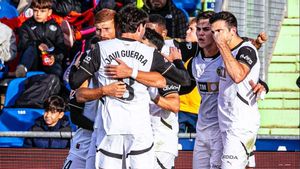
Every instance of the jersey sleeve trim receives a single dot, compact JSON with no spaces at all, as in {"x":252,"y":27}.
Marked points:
{"x":167,"y":69}
{"x":86,"y":70}
{"x":169,"y":92}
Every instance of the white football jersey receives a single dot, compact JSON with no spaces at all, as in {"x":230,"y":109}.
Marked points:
{"x":204,"y":70}
{"x":130,"y":114}
{"x":237,"y":106}
{"x":165,"y":124}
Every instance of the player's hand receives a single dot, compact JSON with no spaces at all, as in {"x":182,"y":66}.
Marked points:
{"x":115,"y":89}
{"x":118,"y":71}
{"x":222,"y":37}
{"x":258,"y":89}
{"x":261,"y":38}
{"x":174,"y":54}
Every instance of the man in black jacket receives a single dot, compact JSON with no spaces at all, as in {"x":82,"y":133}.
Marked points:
{"x":176,"y":20}
{"x":37,"y":36}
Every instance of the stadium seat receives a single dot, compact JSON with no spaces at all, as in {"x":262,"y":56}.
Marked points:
{"x":179,"y":5}
{"x":18,"y":119}
{"x":187,"y":5}
{"x":15,"y":87}
{"x":7,"y":10}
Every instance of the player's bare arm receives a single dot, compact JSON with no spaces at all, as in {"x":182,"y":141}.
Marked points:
{"x":261,"y":39}
{"x":236,"y":70}
{"x":153,"y":79}
{"x":169,"y":102}
{"x":115,"y":89}
{"x":180,"y":76}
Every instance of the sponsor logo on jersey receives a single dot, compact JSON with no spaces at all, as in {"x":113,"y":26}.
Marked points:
{"x":231,"y":157}
{"x":208,"y":86}
{"x":247,"y":59}
{"x":171,"y":87}
{"x":126,"y":53}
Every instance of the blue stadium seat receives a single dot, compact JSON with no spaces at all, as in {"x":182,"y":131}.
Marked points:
{"x":15,"y":87}
{"x":7,"y":10}
{"x":179,"y":5}
{"x":188,"y":5}
{"x":18,"y":119}
{"x":32,"y":73}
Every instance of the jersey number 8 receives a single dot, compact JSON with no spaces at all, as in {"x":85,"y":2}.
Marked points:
{"x":129,"y":93}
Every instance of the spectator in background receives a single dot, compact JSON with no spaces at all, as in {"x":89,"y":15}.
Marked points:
{"x":8,"y":48}
{"x":23,"y":5}
{"x":64,"y":7}
{"x":38,"y":34}
{"x":189,"y":102}
{"x":187,"y":120}
{"x":176,"y":20}
{"x":52,"y":120}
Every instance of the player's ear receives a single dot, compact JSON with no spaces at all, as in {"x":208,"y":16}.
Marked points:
{"x":233,"y":30}
{"x":140,"y":28}
{"x":164,"y":33}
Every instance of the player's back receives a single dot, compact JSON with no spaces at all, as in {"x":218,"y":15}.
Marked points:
{"x":130,"y":114}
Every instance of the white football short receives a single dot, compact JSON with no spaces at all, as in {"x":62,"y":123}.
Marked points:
{"x":80,"y":144}
{"x":208,"y":149}
{"x":90,"y":160}
{"x":237,"y":146}
{"x":74,"y":162}
{"x":125,"y":151}
{"x":164,"y":160}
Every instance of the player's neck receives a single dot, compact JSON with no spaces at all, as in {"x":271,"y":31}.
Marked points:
{"x":236,"y":40}
{"x":131,"y":36}
{"x":210,"y":51}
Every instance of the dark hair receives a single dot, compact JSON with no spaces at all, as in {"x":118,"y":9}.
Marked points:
{"x":205,"y":15}
{"x":54,"y":103}
{"x":42,"y":4}
{"x":158,"y":19}
{"x":228,"y":17}
{"x":155,"y":38}
{"x":130,"y":18}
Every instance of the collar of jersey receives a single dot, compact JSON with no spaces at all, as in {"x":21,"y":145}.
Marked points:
{"x":237,"y":46}
{"x":127,"y":39}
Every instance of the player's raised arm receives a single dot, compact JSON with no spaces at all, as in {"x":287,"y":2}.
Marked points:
{"x":89,"y":64}
{"x":177,"y":74}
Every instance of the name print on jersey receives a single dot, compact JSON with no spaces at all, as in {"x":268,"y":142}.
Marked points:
{"x":126,"y":53}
